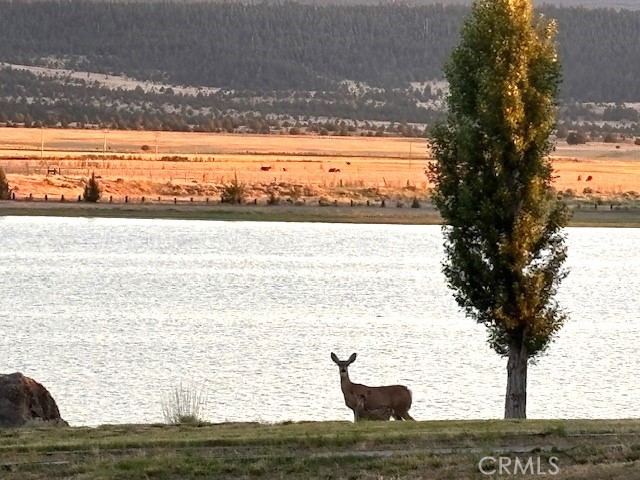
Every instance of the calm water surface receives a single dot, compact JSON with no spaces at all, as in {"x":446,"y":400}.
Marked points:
{"x":112,"y":314}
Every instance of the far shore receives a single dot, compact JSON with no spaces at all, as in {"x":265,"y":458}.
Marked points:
{"x":308,"y":178}
{"x":584,"y":215}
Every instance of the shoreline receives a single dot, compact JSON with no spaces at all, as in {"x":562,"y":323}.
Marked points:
{"x":583,"y":215}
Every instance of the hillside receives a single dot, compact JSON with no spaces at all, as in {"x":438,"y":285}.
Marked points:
{"x":302,"y":47}
{"x":375,"y":63}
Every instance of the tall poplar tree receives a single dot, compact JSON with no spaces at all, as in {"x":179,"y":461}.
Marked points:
{"x":493,"y":183}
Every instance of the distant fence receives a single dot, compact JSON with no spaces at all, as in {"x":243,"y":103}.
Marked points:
{"x":204,"y":201}
{"x":48,"y":197}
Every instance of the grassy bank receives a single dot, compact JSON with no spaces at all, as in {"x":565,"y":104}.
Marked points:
{"x":584,"y":215}
{"x":338,"y":450}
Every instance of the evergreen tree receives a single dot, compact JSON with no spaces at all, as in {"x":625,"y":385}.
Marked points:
{"x":92,"y":191}
{"x":235,"y":191}
{"x":4,"y":186}
{"x":492,"y":174}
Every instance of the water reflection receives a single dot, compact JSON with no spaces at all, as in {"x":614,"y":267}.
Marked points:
{"x":111,"y":314}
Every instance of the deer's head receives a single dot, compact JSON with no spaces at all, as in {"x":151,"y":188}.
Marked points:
{"x":343,"y":365}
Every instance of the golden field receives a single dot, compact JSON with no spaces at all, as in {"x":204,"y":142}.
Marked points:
{"x":166,"y":165}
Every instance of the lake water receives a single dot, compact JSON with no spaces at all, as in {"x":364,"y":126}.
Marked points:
{"x":112,"y":315}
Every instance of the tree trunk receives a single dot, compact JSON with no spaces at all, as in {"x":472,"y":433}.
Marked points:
{"x":515,"y":404}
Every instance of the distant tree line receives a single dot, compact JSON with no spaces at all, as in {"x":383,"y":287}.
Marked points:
{"x":31,"y":101}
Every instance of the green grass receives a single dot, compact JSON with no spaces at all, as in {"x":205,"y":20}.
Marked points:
{"x":337,"y":450}
{"x":426,"y":215}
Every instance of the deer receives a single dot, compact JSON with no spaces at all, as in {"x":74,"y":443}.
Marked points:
{"x":397,"y":398}
{"x":363,"y":412}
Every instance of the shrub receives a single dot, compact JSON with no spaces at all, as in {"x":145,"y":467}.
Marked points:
{"x":145,"y":148}
{"x":637,"y":141}
{"x":234,"y":192}
{"x":415,"y":203}
{"x":575,"y":138}
{"x":4,"y":186}
{"x":611,"y":138}
{"x":92,"y":191}
{"x":184,"y":405}
{"x":273,"y":199}
{"x":562,"y":131}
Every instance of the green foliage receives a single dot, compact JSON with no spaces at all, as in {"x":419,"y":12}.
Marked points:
{"x":234,"y":192}
{"x":4,"y":186}
{"x":92,"y":191}
{"x":620,"y":112}
{"x":503,"y":240}
{"x":185,"y":405}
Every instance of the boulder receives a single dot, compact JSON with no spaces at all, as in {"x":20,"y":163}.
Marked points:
{"x":23,"y":400}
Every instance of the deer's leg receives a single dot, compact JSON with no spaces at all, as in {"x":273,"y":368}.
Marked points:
{"x":396,"y":416}
{"x":406,"y":416}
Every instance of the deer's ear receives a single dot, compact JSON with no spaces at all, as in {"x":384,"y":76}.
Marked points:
{"x":334,"y":358}
{"x":352,"y":358}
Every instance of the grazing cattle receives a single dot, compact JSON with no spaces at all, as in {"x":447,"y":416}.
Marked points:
{"x":334,"y":170}
{"x":589,"y":178}
{"x":579,"y":178}
{"x":265,"y":168}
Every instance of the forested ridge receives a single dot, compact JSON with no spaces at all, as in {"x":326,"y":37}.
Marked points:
{"x":618,"y":4}
{"x":292,"y":46}
{"x":283,"y":66}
